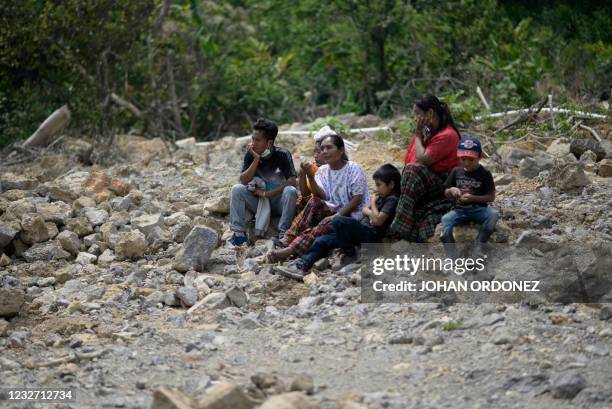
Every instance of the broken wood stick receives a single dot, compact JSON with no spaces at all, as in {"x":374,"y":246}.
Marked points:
{"x":482,"y":98}
{"x":524,"y":117}
{"x":126,"y":105}
{"x":591,"y":131}
{"x":49,"y":128}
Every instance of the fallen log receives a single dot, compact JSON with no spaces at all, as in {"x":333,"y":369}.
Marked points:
{"x":49,"y":128}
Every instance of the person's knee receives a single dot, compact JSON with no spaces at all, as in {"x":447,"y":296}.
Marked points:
{"x":290,"y":192}
{"x":448,"y":219}
{"x":492,"y":216}
{"x":339,"y":222}
{"x":238,"y":190}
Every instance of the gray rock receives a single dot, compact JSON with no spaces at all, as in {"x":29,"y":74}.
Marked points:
{"x":580,"y":146}
{"x":226,"y":395}
{"x":45,"y":252}
{"x":147,"y":222}
{"x":80,"y":226}
{"x":10,"y":181}
{"x":237,"y":297}
{"x":11,"y":301}
{"x":170,"y":299}
{"x":302,"y":383}
{"x":33,"y":229}
{"x":216,"y":301}
{"x":96,"y":217}
{"x":291,"y":400}
{"x":531,"y":167}
{"x":179,"y":231}
{"x":130,"y":245}
{"x":106,"y":258}
{"x":512,"y":156}
{"x":559,"y":147}
{"x":605,"y":313}
{"x":197,"y":248}
{"x":56,"y":212}
{"x":7,"y":234}
{"x":69,"y":241}
{"x":567,"y":385}
{"x":187,"y":295}
{"x":86,"y":258}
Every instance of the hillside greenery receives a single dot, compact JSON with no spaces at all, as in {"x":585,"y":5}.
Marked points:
{"x":208,"y":68}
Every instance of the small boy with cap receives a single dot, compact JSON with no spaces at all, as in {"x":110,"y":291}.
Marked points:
{"x":471,"y":186}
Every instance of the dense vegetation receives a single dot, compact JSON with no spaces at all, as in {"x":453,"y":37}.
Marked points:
{"x":203,"y":68}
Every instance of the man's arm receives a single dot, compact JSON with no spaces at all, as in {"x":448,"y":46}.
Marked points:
{"x":249,"y":173}
{"x":279,"y":189}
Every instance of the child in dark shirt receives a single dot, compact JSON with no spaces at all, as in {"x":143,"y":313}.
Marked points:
{"x":348,"y":231}
{"x":471,"y":186}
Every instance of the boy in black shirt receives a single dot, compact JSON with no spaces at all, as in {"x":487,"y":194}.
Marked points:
{"x":472,"y":187}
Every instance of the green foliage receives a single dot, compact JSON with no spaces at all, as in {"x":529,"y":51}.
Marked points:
{"x":452,"y":325}
{"x":205,"y":68}
{"x":333,"y":122}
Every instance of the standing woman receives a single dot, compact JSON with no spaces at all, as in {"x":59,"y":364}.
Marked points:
{"x":431,"y":156}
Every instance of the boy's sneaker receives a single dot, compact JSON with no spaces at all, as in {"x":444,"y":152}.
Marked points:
{"x":295,"y":269}
{"x":238,"y":239}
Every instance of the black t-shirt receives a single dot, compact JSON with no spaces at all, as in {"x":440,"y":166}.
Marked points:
{"x":384,"y":205}
{"x":275,"y":169}
{"x":479,"y":182}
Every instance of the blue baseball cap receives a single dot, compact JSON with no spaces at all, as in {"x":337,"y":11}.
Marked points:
{"x":469,"y":146}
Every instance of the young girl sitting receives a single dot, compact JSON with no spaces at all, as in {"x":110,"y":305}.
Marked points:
{"x":348,"y":232}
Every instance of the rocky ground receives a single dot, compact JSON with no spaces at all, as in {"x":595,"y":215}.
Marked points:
{"x":117,"y":283}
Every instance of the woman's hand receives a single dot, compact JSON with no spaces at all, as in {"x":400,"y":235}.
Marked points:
{"x":329,"y":219}
{"x":306,"y":167}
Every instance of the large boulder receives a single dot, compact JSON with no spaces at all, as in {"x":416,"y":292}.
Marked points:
{"x":33,"y":229}
{"x":530,"y":167}
{"x":580,"y":146}
{"x":56,"y":212}
{"x":11,"y":301}
{"x":570,"y":176}
{"x":130,"y":245}
{"x":197,"y":248}
{"x":219,"y":203}
{"x":511,"y":156}
{"x":559,"y":148}
{"x":18,"y":208}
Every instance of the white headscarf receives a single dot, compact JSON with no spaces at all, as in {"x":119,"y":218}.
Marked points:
{"x":323,"y":133}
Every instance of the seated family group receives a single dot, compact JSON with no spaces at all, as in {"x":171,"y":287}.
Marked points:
{"x":441,"y":181}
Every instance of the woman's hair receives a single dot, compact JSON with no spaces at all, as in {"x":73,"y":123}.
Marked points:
{"x":389,"y":173}
{"x":440,"y":108}
{"x":339,"y":142}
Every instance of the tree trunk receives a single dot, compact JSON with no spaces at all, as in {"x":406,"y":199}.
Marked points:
{"x":49,"y":128}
